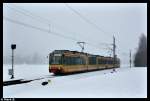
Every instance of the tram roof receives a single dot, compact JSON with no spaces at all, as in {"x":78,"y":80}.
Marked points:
{"x":63,"y":51}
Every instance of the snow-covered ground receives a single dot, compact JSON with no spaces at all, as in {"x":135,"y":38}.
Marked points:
{"x":126,"y":82}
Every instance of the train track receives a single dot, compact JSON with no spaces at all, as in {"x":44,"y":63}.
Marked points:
{"x":20,"y":81}
{"x":76,"y":76}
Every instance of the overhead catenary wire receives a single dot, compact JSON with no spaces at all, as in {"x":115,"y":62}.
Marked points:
{"x":41,"y":19}
{"x":28,"y":14}
{"x":45,"y":30}
{"x":93,"y":45}
{"x":85,"y":19}
{"x":88,"y":21}
{"x":38,"y":28}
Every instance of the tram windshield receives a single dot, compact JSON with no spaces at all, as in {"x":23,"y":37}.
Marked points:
{"x":55,"y":60}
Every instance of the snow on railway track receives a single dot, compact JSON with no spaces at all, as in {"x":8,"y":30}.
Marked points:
{"x":28,"y":73}
{"x":125,"y":82}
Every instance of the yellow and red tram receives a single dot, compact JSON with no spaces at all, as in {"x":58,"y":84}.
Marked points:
{"x":65,"y":61}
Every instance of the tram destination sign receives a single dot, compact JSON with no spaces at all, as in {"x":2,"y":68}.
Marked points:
{"x":57,"y":54}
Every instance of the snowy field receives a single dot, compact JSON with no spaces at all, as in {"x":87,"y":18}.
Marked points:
{"x":126,"y":82}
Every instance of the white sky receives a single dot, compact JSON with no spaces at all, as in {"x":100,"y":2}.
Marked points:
{"x":124,"y":20}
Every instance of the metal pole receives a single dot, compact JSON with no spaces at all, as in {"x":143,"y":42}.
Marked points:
{"x":49,"y":28}
{"x":114,"y":51}
{"x":130,"y":59}
{"x":12,"y":64}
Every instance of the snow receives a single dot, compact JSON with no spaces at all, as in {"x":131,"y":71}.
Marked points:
{"x":25,"y":71}
{"x":125,"y":83}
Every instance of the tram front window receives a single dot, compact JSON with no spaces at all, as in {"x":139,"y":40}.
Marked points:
{"x":55,"y":60}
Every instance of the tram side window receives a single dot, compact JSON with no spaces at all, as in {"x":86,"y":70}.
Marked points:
{"x":73,"y":60}
{"x":100,"y":61}
{"x":92,"y":60}
{"x":78,"y":61}
{"x":103,"y":61}
{"x":83,"y":61}
{"x":111,"y":62}
{"x":66,"y":60}
{"x":108,"y":61}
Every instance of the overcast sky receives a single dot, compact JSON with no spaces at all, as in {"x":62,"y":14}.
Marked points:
{"x":126,"y":21}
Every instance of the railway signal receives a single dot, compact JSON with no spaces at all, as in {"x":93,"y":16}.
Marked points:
{"x":11,"y":71}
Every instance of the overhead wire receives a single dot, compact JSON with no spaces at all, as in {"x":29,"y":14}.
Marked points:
{"x":28,"y":14}
{"x":45,"y":30}
{"x":46,"y":20}
{"x":38,"y":28}
{"x":85,"y":19}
